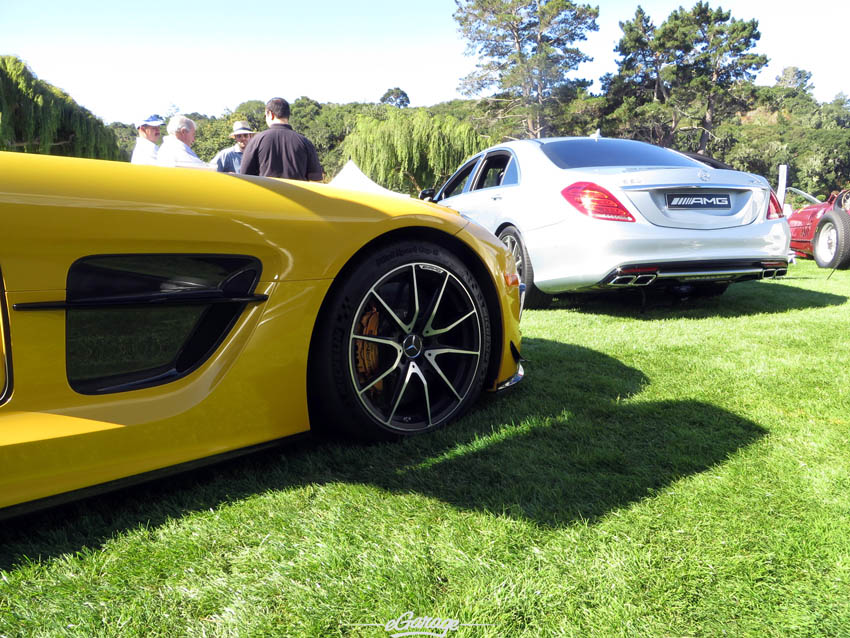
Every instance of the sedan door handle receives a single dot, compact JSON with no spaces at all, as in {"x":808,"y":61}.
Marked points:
{"x":496,"y":198}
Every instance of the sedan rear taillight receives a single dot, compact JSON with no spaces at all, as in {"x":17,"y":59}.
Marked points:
{"x":594,"y":201}
{"x":774,"y":209}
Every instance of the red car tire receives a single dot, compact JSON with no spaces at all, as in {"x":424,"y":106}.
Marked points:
{"x":831,"y":243}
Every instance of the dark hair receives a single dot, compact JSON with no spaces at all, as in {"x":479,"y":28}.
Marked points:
{"x":279,"y":107}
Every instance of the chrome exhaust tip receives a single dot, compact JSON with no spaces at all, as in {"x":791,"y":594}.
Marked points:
{"x":622,"y":280}
{"x":643,"y":280}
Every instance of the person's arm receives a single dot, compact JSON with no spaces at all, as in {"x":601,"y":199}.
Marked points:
{"x":217,"y":162}
{"x":188,"y":159}
{"x":315,"y":172}
{"x":250,"y":160}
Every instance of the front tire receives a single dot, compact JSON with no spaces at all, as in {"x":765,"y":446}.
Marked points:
{"x":403,"y":344}
{"x":831,"y":244}
{"x":534,"y":297}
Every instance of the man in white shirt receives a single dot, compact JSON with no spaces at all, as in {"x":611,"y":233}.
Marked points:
{"x":149,"y":133}
{"x":176,"y":147}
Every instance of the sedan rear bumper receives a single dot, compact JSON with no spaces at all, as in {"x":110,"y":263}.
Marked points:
{"x":632,"y":275}
{"x":587,"y":254}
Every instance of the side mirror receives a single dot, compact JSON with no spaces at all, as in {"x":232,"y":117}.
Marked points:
{"x":787,"y":211}
{"x":428,"y":194}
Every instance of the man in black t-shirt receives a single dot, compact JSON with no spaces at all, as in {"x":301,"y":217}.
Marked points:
{"x":280,"y":151}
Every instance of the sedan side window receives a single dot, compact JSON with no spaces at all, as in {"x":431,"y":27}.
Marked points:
{"x":457,"y":182}
{"x":498,"y":170}
{"x":511,"y":174}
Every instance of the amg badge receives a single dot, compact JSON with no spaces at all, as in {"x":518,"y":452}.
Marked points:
{"x":704,"y":200}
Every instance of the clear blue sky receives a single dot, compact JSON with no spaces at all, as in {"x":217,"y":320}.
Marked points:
{"x":124,"y":60}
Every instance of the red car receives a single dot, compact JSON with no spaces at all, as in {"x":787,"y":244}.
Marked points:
{"x":822,"y":229}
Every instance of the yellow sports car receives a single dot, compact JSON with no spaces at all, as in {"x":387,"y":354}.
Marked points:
{"x":153,"y":317}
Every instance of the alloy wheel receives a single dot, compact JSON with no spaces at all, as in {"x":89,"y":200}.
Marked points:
{"x":415,"y":346}
{"x":516,"y":252}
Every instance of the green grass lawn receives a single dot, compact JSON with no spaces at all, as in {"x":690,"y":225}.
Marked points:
{"x":669,"y":470}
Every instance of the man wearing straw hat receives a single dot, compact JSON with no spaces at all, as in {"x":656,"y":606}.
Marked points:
{"x":229,"y":160}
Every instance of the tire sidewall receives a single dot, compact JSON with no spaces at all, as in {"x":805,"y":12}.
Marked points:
{"x":343,"y":406}
{"x":840,"y":220}
{"x":534,"y":297}
{"x":527,"y":270}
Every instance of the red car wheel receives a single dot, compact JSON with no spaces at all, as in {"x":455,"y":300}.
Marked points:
{"x":831,"y":244}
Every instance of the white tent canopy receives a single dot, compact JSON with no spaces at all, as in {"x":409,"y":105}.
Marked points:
{"x":352,"y":178}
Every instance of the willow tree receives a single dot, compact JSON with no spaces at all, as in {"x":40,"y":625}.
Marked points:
{"x":36,"y":117}
{"x":411,"y":149}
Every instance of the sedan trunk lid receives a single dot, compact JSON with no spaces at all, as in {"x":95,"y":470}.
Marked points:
{"x":697,"y":198}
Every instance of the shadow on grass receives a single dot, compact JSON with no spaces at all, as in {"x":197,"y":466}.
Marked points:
{"x":565,"y":445}
{"x":740,"y":300}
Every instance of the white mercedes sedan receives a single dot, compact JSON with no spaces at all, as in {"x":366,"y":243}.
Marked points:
{"x":585,"y":214}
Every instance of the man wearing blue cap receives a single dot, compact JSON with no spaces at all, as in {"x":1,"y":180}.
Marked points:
{"x":149,"y":134}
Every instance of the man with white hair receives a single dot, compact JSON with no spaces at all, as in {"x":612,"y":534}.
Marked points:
{"x":145,"y":150}
{"x":176,"y":147}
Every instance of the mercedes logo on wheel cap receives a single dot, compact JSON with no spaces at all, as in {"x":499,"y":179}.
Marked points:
{"x":412,"y":346}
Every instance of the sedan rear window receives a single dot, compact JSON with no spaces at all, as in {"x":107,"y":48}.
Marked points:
{"x":590,"y":153}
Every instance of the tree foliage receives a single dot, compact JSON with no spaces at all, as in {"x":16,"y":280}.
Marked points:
{"x":327,"y":126}
{"x":411,"y":149}
{"x":125,"y":138}
{"x":686,"y":83}
{"x":36,"y":117}
{"x":684,"y":76}
{"x":796,"y":79}
{"x":212,"y":133}
{"x":395,"y":97}
{"x":253,"y":111}
{"x":526,"y":48}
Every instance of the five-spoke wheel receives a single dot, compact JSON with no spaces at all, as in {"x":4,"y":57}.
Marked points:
{"x":404,"y":343}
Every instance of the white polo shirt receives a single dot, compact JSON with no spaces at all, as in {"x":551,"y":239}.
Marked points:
{"x":173,"y":152}
{"x":144,"y":152}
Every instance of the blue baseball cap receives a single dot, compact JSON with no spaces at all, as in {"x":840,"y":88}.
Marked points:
{"x":153,"y":120}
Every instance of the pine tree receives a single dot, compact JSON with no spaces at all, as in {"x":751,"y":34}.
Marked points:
{"x":526,"y":48}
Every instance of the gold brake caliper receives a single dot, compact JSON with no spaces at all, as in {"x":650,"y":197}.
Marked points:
{"x":366,"y":352}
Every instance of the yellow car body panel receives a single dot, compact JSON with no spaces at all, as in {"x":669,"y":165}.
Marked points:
{"x":253,"y":387}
